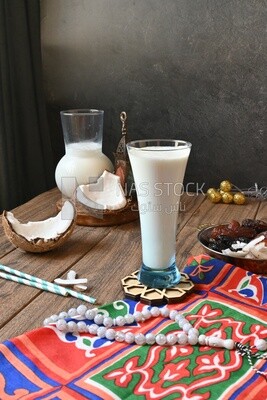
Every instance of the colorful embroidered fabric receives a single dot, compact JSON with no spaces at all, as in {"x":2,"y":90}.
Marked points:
{"x":228,"y":301}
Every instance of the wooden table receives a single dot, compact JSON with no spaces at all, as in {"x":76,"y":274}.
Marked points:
{"x":102,"y":254}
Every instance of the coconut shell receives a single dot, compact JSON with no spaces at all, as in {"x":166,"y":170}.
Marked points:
{"x":37,"y":245}
{"x":87,"y":216}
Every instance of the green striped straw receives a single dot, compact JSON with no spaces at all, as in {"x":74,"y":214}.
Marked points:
{"x":30,"y":280}
{"x":81,"y":296}
{"x":43,"y":286}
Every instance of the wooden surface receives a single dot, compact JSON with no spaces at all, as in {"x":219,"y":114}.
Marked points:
{"x":104,"y":255}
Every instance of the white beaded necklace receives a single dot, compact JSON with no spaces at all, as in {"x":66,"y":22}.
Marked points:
{"x":102,"y":328}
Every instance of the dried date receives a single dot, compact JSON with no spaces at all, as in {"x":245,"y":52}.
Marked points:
{"x":258,"y":225}
{"x":232,"y":235}
{"x":233,"y":230}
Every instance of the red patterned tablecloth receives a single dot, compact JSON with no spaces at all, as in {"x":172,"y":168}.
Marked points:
{"x":227,"y":301}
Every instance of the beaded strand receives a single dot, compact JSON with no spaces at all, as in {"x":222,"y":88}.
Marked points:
{"x":102,"y":328}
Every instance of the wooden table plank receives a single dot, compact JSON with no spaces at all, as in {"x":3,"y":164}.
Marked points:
{"x":262,"y":211}
{"x":189,"y":205}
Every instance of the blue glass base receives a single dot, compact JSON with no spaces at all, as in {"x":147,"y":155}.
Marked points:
{"x":159,"y":278}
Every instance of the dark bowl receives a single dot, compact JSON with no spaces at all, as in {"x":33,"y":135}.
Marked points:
{"x":250,"y":264}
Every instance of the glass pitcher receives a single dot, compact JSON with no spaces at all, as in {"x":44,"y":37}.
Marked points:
{"x":83,"y":161}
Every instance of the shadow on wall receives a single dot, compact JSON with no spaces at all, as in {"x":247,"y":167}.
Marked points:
{"x":186,"y":69}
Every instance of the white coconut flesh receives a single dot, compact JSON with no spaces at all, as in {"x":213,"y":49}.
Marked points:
{"x":106,"y":194}
{"x":49,"y":229}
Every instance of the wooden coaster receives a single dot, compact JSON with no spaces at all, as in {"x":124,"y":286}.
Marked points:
{"x":135,"y":290}
{"x":87,"y":216}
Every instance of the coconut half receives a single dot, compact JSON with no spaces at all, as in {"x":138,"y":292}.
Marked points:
{"x":40,"y":236}
{"x":106,"y":194}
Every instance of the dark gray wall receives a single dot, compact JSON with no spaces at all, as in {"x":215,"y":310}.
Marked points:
{"x":190,"y":69}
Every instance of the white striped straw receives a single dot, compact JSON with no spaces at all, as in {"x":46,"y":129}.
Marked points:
{"x":38,"y":285}
{"x":81,"y":296}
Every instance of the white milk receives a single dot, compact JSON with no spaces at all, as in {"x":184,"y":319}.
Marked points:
{"x":158,"y":174}
{"x":83,"y":162}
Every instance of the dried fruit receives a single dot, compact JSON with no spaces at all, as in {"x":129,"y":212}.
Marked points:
{"x":258,"y":225}
{"x":246,"y":240}
{"x":233,"y":230}
{"x":234,"y":225}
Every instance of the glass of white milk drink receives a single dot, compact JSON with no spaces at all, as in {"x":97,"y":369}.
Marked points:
{"x":83,"y":161}
{"x":158,"y":168}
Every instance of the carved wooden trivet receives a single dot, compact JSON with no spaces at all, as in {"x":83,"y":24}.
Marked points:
{"x":135,"y":290}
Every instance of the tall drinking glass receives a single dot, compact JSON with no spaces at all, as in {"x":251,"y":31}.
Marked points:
{"x":158,"y":168}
